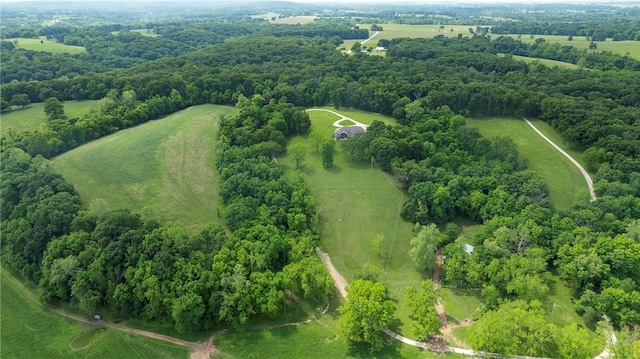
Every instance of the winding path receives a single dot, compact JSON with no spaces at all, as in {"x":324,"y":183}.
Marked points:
{"x":341,"y":284}
{"x":342,"y":118}
{"x":585,"y":174}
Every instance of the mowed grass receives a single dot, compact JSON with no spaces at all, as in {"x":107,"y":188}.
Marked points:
{"x":319,"y":338}
{"x":549,"y":63}
{"x":31,"y":117}
{"x":42,"y":44}
{"x":163,"y":169}
{"x":392,"y":31}
{"x":566,"y":184}
{"x":357,"y":203}
{"x":617,"y":47}
{"x":30,"y":331}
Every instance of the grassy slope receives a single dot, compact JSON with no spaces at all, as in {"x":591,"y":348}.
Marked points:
{"x":550,"y":63}
{"x":161,"y":169}
{"x":566,"y":184}
{"x":356,"y":204}
{"x":31,"y":117}
{"x":47,"y":45}
{"x":30,"y":331}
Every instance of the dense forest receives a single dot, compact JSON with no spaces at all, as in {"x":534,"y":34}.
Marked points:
{"x":143,"y":268}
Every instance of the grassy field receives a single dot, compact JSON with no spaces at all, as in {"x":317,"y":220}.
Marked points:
{"x":580,"y":42}
{"x":31,"y":117}
{"x":428,"y":31}
{"x":162,"y":169}
{"x":549,"y":63}
{"x":565,"y":182}
{"x":273,"y":18}
{"x":357,"y":203}
{"x":319,"y":339}
{"x":143,"y":32}
{"x":42,"y":44}
{"x":392,"y":31}
{"x":30,"y":331}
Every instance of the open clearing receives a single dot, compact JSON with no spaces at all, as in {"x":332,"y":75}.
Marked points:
{"x":162,"y":169}
{"x":42,"y":44}
{"x":580,"y":42}
{"x":392,"y":31}
{"x":30,"y":331}
{"x":549,"y":63}
{"x":566,"y":184}
{"x":31,"y":117}
{"x":357,"y":203}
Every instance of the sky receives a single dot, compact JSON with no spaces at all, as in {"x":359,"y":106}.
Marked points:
{"x":398,"y":2}
{"x":360,"y":1}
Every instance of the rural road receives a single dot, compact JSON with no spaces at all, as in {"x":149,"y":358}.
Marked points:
{"x":364,"y":41}
{"x":585,"y":174}
{"x":342,"y":118}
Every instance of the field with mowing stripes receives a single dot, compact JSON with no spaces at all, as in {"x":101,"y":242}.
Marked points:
{"x":162,"y":169}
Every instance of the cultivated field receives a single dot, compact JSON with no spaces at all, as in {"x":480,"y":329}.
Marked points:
{"x":162,"y":169}
{"x":30,"y":331}
{"x":42,"y":44}
{"x":566,"y":184}
{"x":31,"y":117}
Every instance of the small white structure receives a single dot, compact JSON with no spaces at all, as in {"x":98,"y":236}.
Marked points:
{"x":379,"y":48}
{"x":468,"y":248}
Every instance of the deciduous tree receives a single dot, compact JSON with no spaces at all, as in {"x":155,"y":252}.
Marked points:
{"x":368,"y":308}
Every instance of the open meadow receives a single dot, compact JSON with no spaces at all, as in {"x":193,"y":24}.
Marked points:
{"x":580,"y":42}
{"x":357,"y":203}
{"x":31,"y":117}
{"x":391,"y":31}
{"x":566,"y":184}
{"x":161,"y":169}
{"x":546,"y":62}
{"x":43,"y":44}
{"x":31,"y":331}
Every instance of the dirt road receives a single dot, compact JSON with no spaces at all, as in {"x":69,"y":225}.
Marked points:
{"x":585,"y":174}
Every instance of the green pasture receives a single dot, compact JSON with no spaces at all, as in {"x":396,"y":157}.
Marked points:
{"x":42,"y":44}
{"x":392,"y":31}
{"x":31,"y":117}
{"x":566,"y":184}
{"x":546,"y":62}
{"x":143,"y":32}
{"x":316,"y":339}
{"x":580,"y":42}
{"x":162,"y":169}
{"x":460,"y":304}
{"x":30,"y":331}
{"x":558,"y":140}
{"x":357,"y":203}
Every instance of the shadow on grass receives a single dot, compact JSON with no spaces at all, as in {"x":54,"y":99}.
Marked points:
{"x":391,"y":349}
